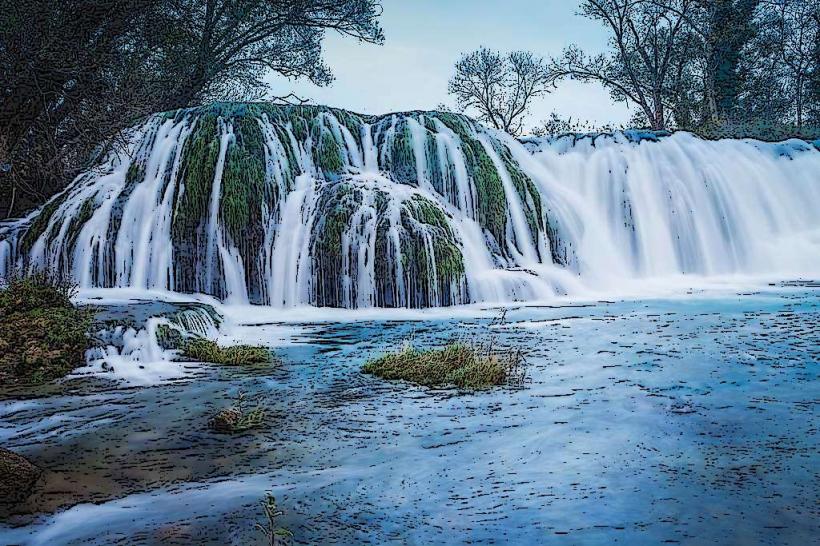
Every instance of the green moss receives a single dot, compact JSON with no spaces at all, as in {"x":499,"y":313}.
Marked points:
{"x":169,"y":338}
{"x":41,"y":221}
{"x":492,"y":202}
{"x":426,"y":212}
{"x":449,"y":260}
{"x":455,"y":365}
{"x":135,"y":174}
{"x":437,"y":178}
{"x":524,"y":186}
{"x":299,"y":127}
{"x":352,"y":122}
{"x":290,"y":154}
{"x":79,"y":220}
{"x":337,"y":220}
{"x":243,"y":183}
{"x":447,"y":256}
{"x":43,"y":336}
{"x":402,"y":159}
{"x":327,"y":155}
{"x":200,"y":156}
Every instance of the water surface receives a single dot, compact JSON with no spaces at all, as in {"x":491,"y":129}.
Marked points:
{"x":673,"y":420}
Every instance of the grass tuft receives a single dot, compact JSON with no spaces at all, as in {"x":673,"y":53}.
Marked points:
{"x":206,"y":350}
{"x":237,"y":418}
{"x":456,"y":364}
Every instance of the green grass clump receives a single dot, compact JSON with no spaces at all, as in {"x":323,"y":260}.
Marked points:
{"x":169,"y":337}
{"x":206,"y":350}
{"x":457,"y":364}
{"x":237,"y":418}
{"x":43,"y":335}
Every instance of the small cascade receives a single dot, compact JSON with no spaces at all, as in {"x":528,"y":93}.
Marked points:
{"x":140,"y":353}
{"x":287,"y":206}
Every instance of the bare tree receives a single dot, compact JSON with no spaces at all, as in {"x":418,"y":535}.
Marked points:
{"x":499,"y":88}
{"x":646,"y":36}
{"x":796,"y":24}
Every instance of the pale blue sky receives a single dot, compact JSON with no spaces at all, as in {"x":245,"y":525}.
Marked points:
{"x":424,"y":39}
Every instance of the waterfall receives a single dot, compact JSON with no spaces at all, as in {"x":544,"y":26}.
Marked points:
{"x":286,"y":206}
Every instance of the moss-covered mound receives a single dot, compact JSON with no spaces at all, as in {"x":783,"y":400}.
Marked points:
{"x":416,"y":257}
{"x":456,"y":365}
{"x":43,"y":335}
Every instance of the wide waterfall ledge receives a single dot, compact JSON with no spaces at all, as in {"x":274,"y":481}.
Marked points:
{"x":253,"y":203}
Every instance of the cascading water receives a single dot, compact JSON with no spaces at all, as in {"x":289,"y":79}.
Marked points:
{"x":285,"y":206}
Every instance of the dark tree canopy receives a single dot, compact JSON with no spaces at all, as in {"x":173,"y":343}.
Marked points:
{"x":74,"y":73}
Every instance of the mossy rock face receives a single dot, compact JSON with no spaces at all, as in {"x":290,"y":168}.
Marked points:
{"x":41,"y":222}
{"x":437,"y":274}
{"x":492,"y":202}
{"x":199,"y":158}
{"x":527,"y":193}
{"x":336,"y":207}
{"x":247,"y":196}
{"x":327,"y":152}
{"x":432,"y":266}
{"x":401,"y":160}
{"x":169,"y":338}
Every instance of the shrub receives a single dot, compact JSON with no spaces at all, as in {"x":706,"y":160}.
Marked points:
{"x":39,"y":290}
{"x":43,"y":335}
{"x":206,"y":350}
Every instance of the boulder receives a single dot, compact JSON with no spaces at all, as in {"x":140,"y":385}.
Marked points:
{"x":17,"y":477}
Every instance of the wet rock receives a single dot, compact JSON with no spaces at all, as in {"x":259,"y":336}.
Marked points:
{"x":17,"y":477}
{"x":225,"y":420}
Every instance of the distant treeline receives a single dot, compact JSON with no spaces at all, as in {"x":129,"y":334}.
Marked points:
{"x":74,"y":73}
{"x":717,"y":67}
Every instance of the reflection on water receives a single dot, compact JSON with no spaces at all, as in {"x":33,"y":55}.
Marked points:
{"x":643,"y":422}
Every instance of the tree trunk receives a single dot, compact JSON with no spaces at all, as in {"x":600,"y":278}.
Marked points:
{"x":799,"y":102}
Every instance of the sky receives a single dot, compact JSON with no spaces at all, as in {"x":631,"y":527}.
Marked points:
{"x":425,"y":38}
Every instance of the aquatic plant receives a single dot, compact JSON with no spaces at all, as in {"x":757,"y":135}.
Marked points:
{"x":169,"y":338}
{"x":237,"y":418}
{"x":206,"y":350}
{"x":457,"y":364}
{"x":275,"y":534}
